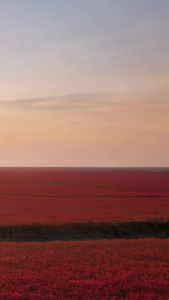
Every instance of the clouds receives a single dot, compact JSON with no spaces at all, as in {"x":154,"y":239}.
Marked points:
{"x":91,"y":101}
{"x":91,"y":104}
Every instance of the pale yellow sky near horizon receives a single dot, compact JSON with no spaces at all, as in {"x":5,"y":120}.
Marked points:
{"x":84,"y":84}
{"x":122,"y":134}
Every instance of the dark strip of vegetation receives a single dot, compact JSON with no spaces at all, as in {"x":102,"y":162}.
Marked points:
{"x":84,"y":231}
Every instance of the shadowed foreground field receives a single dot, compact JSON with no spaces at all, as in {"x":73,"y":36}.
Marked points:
{"x":118,"y":269}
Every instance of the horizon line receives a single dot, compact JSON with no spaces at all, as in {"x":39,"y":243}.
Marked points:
{"x":85,"y":167}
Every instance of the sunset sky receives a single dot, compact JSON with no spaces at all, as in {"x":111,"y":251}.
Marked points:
{"x":84,"y":83}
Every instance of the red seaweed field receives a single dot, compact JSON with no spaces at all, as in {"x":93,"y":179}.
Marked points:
{"x":85,"y":201}
{"x":54,"y":196}
{"x":132,"y":269}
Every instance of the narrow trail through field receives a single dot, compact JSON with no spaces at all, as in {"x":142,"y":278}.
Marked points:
{"x":84,"y":231}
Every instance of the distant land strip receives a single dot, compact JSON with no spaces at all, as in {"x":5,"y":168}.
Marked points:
{"x":84,"y":231}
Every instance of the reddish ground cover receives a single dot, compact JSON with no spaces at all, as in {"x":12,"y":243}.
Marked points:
{"x":80,"y":195}
{"x":117,"y":269}
{"x":133,"y":269}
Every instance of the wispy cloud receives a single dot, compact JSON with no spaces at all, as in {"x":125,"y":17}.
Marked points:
{"x":89,"y":102}
{"x":63,"y":102}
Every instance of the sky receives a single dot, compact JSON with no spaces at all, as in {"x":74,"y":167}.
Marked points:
{"x":84,"y":83}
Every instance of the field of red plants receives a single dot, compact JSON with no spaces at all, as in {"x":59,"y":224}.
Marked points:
{"x":105,"y":269}
{"x":54,"y":196}
{"x":117,"y":269}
